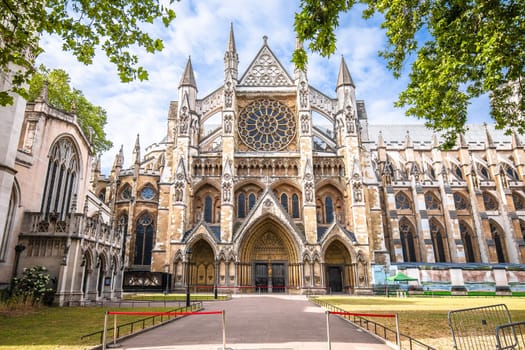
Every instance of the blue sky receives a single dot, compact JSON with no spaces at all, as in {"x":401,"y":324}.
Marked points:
{"x":201,"y":31}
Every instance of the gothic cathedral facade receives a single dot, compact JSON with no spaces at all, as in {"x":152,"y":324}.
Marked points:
{"x":275,"y":186}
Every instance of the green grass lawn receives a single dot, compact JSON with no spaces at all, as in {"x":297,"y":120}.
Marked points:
{"x":57,"y":328}
{"x":424,"y":318}
{"x":54,"y":328}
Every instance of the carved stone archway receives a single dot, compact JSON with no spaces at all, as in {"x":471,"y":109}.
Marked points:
{"x":268,"y":259}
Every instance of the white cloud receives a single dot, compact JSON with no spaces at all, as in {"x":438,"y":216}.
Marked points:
{"x":201,"y":31}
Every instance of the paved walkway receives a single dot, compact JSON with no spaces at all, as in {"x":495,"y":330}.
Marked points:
{"x":256,"y":322}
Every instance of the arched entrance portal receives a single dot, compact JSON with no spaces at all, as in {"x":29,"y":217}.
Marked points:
{"x":339,"y":269}
{"x":268,"y":259}
{"x":202,"y":266}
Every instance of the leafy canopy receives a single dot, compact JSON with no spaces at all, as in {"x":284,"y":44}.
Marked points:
{"x":61,"y":95}
{"x":471,"y":48}
{"x":114,"y":26}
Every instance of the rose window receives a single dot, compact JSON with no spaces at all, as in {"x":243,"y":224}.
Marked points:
{"x":266,"y":125}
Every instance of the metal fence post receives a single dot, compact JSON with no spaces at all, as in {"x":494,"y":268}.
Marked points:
{"x":223,"y":329}
{"x":104,"y":334}
{"x":398,"y":336}
{"x":328,"y":341}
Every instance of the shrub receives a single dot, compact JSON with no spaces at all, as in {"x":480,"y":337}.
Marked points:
{"x":32,"y":286}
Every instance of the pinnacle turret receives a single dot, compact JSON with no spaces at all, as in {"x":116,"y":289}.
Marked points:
{"x":344,"y":77}
{"x":188,"y":78}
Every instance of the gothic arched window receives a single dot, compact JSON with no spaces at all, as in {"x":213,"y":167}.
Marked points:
{"x":61,"y":179}
{"x":456,"y":170}
{"x":519,"y":202}
{"x":402,"y":201}
{"x":489,"y":201}
{"x":432,"y":202}
{"x":460,"y":201}
{"x":511,"y":173}
{"x":468,"y":242}
{"x":295,"y":206}
{"x":251,"y":201}
{"x":143,"y":240}
{"x":484,"y":172}
{"x":208,"y":209}
{"x":284,"y":201}
{"x":126,"y":192}
{"x":499,"y":242}
{"x":6,"y":230}
{"x":408,"y":243}
{"x":241,"y":206}
{"x":522,"y":229}
{"x":329,"y":210}
{"x":438,"y":241}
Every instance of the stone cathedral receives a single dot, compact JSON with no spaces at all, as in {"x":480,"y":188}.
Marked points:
{"x":267,"y":184}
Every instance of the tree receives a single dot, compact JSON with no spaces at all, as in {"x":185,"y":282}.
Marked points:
{"x":470,"y":48}
{"x":114,"y":26}
{"x":61,"y":95}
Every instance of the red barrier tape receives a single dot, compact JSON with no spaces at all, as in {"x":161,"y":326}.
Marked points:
{"x":362,"y":315}
{"x":232,"y":287}
{"x":148,"y":313}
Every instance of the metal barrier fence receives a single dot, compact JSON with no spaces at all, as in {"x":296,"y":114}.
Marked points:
{"x":511,"y":336}
{"x":161,"y":313}
{"x":137,"y":325}
{"x":386,"y":333}
{"x":475,"y":328}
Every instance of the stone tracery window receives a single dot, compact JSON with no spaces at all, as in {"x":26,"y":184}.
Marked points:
{"x":460,"y":202}
{"x":402,"y":201}
{"x":266,"y":125}
{"x":498,"y":238}
{"x":126,"y":192}
{"x":519,"y":202}
{"x":468,"y":241}
{"x":432,"y":202}
{"x":438,"y":241}
{"x":490,"y":201}
{"x":61,"y":180}
{"x":408,"y":243}
{"x":143,"y":240}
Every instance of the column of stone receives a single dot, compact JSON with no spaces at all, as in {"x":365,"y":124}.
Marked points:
{"x":469,"y":171}
{"x":305,"y":148}
{"x":504,"y":194}
{"x":454,"y":242}
{"x":426,"y":248}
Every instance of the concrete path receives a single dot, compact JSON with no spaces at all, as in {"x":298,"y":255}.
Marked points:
{"x":257,"y":322}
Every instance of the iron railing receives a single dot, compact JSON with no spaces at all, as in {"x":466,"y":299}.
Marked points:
{"x":134,"y":326}
{"x":382,"y":331}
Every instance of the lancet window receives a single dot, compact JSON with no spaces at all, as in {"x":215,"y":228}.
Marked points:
{"x":468,"y":242}
{"x":61,"y":179}
{"x":143,"y":240}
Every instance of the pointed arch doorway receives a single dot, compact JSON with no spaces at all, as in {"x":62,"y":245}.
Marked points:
{"x":268,"y":259}
{"x":339,"y":272}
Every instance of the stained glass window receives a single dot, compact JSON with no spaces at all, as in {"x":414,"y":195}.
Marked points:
{"x":266,"y":125}
{"x":490,"y":201}
{"x":460,"y":202}
{"x":143,"y":240}
{"x":402,"y":201}
{"x":519,"y":203}
{"x":431,"y":201}
{"x":295,"y":206}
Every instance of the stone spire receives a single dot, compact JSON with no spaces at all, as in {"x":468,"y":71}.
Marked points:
{"x":188,"y":78}
{"x":231,"y":58}
{"x":516,"y":142}
{"x":344,"y":77}
{"x":119,"y":158}
{"x":408,"y":140}
{"x":136,"y":151}
{"x":380,"y":140}
{"x":488,"y":137}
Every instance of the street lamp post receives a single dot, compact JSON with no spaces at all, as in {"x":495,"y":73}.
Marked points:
{"x":188,"y":277}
